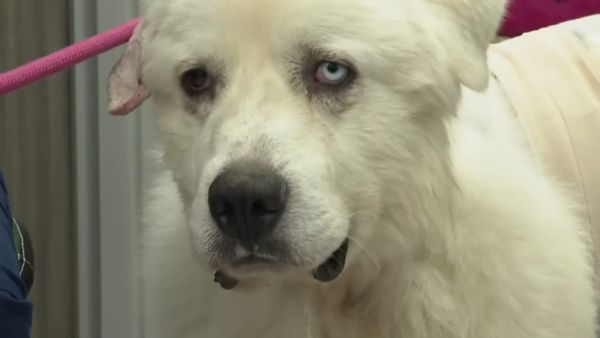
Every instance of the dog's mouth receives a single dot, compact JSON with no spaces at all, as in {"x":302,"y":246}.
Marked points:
{"x":326,"y":272}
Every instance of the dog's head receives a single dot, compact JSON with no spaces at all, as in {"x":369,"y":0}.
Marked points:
{"x":291,"y":127}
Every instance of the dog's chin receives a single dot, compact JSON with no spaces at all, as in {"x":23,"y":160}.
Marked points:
{"x":259,"y":271}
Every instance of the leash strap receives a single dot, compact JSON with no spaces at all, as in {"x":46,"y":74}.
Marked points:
{"x":66,"y":57}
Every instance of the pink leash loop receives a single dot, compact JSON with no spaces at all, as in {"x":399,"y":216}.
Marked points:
{"x":66,"y":57}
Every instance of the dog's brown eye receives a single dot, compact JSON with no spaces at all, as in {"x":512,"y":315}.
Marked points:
{"x":195,"y":81}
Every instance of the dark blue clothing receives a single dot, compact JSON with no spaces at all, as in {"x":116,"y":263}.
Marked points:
{"x":15,"y":309}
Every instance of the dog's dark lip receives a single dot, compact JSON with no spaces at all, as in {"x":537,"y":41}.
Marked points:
{"x":333,"y":266}
{"x":326,"y":272}
{"x":227,"y":282}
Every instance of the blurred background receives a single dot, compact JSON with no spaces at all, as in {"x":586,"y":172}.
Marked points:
{"x":73,"y":172}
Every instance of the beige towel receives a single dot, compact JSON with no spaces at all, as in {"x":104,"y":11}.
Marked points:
{"x":551,"y":78}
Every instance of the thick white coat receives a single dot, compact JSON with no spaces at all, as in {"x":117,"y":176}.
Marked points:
{"x":454,"y":232}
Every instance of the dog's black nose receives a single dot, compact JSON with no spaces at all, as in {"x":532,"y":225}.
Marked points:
{"x":246,"y":202}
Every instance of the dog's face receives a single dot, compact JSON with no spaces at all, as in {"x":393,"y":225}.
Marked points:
{"x":287,"y":124}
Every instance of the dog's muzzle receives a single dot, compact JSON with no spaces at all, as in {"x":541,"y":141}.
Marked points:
{"x":246,"y":201}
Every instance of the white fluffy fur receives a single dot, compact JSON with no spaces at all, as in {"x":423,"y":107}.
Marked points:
{"x":454,"y":231}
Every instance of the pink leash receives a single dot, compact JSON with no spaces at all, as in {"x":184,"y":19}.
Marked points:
{"x":67,"y":57}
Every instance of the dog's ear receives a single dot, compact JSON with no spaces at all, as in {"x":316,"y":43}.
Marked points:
{"x":473,"y":25}
{"x":126,"y":90}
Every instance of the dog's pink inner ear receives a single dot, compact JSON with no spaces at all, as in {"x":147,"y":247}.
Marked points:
{"x":126,"y":91}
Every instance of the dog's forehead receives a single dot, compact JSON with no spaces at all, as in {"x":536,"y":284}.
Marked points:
{"x":240,"y":36}
{"x":243,"y":20}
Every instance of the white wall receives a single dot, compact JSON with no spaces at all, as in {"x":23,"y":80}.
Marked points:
{"x":109,"y":174}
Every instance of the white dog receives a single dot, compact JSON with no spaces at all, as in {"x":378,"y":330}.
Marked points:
{"x":341,"y":170}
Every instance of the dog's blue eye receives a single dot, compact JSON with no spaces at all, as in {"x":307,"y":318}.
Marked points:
{"x":331,"y":73}
{"x":195,"y":81}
